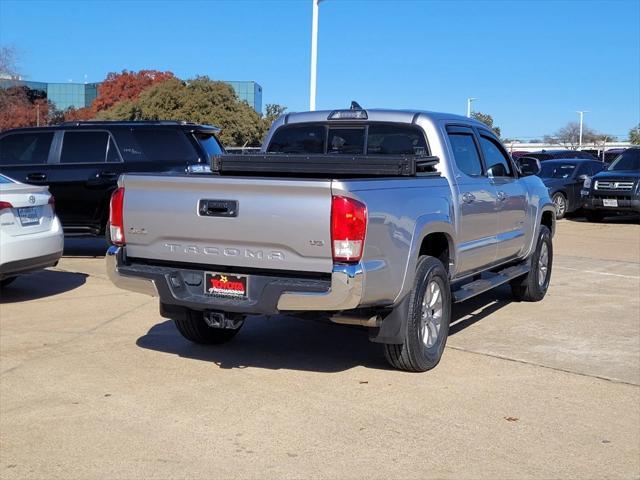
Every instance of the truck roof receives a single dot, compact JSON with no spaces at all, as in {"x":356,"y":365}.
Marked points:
{"x":378,"y":115}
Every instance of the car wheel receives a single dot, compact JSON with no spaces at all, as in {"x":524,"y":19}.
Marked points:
{"x":195,"y":329}
{"x":427,"y":325}
{"x":560,"y":202}
{"x":534,"y":285}
{"x":6,"y":281}
{"x":593,"y":215}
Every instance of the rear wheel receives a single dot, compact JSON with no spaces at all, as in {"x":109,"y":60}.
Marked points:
{"x":427,"y":325}
{"x":560,"y":202}
{"x":534,"y":285}
{"x":195,"y":329}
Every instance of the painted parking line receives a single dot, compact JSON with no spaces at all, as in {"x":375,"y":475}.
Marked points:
{"x":598,"y":273}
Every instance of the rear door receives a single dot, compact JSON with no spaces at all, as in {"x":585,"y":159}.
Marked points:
{"x":476,"y":198}
{"x":87,"y":169}
{"x":511,"y":195}
{"x":24,"y":156}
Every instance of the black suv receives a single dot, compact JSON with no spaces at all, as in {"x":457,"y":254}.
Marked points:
{"x":543,"y":155}
{"x":614,"y":190}
{"x":81,"y":161}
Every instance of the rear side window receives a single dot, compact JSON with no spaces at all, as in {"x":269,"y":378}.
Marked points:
{"x":84,"y":147}
{"x":466,"y":153}
{"x":25,"y":148}
{"x":300,"y":139}
{"x":395,"y":140}
{"x":156,"y":145}
{"x":497,"y":161}
{"x":209,"y":143}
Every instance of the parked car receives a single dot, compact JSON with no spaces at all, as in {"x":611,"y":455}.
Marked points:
{"x":564,"y":179}
{"x":30,"y":234}
{"x":81,"y":161}
{"x":544,"y":155}
{"x":379,"y":218}
{"x":614,"y":190}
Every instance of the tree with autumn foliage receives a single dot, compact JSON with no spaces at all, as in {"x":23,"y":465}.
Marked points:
{"x":126,"y":85}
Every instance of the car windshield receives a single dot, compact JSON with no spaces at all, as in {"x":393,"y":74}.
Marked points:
{"x":564,"y":170}
{"x":628,"y":160}
{"x":4,"y":179}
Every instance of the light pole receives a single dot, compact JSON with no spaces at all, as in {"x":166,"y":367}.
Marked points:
{"x":314,"y":54}
{"x":469,"y":100}
{"x":581,"y":112}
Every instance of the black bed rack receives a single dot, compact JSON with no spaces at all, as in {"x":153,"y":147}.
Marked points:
{"x":324,"y":164}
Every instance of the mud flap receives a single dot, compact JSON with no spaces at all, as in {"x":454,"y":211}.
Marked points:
{"x":394,"y":324}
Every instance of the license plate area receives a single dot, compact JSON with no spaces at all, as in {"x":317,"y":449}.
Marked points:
{"x":225,"y":285}
{"x":610,"y":202}
{"x":29,"y":216}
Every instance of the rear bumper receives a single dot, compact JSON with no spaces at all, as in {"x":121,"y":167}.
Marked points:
{"x":19,"y":267}
{"x":267,"y":294}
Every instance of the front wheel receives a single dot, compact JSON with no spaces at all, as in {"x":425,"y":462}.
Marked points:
{"x":534,"y":285}
{"x":560,"y":202}
{"x":195,"y":329}
{"x":427,"y":325}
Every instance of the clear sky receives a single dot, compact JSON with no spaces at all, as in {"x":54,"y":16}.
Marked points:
{"x":532,"y":64}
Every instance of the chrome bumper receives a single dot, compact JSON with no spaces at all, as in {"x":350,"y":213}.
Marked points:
{"x":345,"y":292}
{"x":127,"y":282}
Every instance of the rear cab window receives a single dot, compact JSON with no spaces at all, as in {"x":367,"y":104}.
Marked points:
{"x":28,"y":148}
{"x":368,"y":139}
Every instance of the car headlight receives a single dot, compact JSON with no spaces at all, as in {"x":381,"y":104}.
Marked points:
{"x":587,"y":183}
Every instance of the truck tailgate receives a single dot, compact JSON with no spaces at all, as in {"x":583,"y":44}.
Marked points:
{"x":262,"y":223}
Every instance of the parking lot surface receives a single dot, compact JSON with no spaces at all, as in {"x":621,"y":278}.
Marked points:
{"x":95,"y":384}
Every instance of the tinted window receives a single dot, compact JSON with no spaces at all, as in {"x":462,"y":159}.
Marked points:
{"x":159,"y":145}
{"x":25,"y":148}
{"x":466,"y":153}
{"x":395,"y":140}
{"x":209,"y":143}
{"x":112,"y":152}
{"x":628,"y":160}
{"x":84,"y":147}
{"x":305,"y":139}
{"x":346,"y":140}
{"x":496,"y":160}
{"x":557,"y":170}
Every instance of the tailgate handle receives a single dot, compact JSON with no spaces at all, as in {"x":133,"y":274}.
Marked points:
{"x":218,"y":208}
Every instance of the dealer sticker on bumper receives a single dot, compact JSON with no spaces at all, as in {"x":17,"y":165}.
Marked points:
{"x":225,"y":285}
{"x":609,"y":202}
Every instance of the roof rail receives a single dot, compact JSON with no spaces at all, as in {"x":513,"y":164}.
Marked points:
{"x":76,"y":123}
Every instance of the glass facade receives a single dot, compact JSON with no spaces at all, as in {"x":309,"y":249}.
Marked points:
{"x":62,"y":95}
{"x":80,"y":95}
{"x":250,"y":92}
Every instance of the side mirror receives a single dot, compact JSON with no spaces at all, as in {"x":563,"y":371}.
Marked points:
{"x":528,"y":166}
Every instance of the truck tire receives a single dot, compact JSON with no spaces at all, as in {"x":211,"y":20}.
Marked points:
{"x":533,"y":286}
{"x":196,"y":330}
{"x":427,"y":325}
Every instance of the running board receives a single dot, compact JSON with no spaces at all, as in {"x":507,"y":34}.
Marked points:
{"x":492,"y":280}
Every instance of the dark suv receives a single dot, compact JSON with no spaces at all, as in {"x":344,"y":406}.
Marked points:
{"x":81,"y":161}
{"x":614,"y":190}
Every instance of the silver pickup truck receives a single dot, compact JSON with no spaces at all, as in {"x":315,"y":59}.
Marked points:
{"x":377,"y":218}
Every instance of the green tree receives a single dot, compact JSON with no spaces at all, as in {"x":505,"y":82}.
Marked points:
{"x":634,"y":135}
{"x":487,"y":120}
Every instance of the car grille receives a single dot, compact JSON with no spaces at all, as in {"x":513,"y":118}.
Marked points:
{"x":616,"y":197}
{"x":614,"y":185}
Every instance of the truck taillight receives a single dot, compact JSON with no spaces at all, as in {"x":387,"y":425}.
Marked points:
{"x":116,"y":218}
{"x":52,"y":202}
{"x":348,"y":229}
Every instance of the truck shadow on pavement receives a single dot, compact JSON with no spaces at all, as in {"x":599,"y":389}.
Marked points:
{"x":42,"y":284}
{"x":292,"y":343}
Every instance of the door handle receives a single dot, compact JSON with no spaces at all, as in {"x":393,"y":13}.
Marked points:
{"x":107,"y":175}
{"x":502,"y":196}
{"x":468,"y":197}
{"x":36,"y":177}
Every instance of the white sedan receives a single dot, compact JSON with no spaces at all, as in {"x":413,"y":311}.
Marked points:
{"x":31,"y":236}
